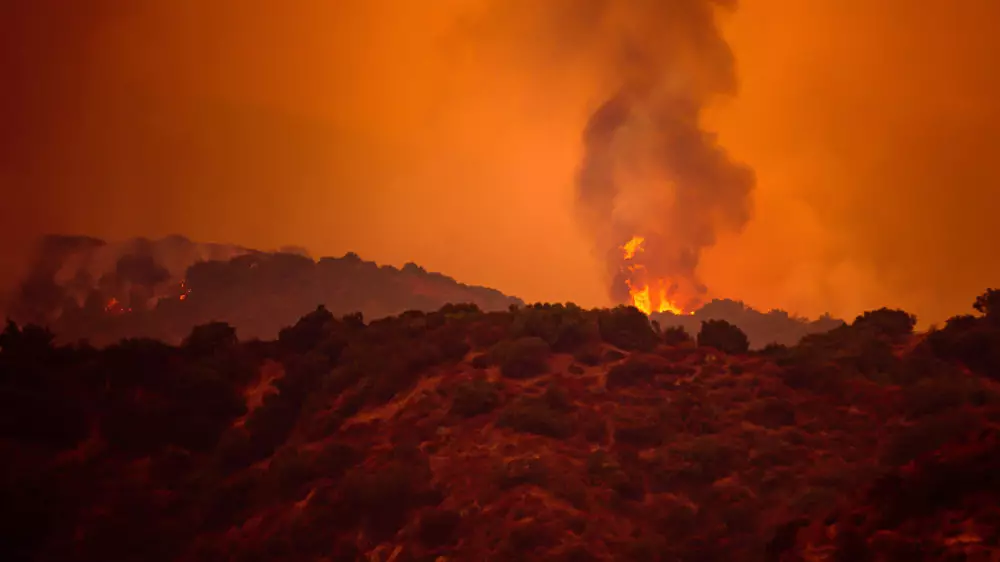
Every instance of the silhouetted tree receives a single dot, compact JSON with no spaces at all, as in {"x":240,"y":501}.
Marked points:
{"x":676,"y":335}
{"x":627,"y":327}
{"x":891,"y":323}
{"x":211,"y":337}
{"x":988,"y":304}
{"x":723,"y":336}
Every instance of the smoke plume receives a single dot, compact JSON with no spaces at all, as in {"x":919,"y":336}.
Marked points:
{"x":649,"y":168}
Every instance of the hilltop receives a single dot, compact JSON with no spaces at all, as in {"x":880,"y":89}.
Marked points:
{"x":86,"y":288}
{"x":541,"y":433}
{"x":761,"y":328}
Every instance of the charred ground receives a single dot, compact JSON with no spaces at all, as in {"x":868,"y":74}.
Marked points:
{"x":540,"y":433}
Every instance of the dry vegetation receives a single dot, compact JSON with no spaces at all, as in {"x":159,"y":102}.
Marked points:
{"x":543,"y":433}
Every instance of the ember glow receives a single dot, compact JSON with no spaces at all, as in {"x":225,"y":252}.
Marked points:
{"x":647,"y":295}
{"x":114,"y":306}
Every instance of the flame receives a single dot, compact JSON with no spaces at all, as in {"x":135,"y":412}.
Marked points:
{"x":114,"y":306}
{"x":640,"y":292}
{"x":632,"y":247}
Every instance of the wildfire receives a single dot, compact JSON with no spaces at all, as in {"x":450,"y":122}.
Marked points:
{"x":633,"y":246}
{"x":114,"y":306}
{"x":642,"y":295}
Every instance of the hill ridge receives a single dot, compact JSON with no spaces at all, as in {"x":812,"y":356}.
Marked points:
{"x":539,"y":433}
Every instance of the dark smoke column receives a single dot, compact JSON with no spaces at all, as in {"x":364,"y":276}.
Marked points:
{"x":649,"y":169}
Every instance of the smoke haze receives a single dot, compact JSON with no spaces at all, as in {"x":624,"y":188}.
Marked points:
{"x":648,"y":168}
{"x":451,"y":134}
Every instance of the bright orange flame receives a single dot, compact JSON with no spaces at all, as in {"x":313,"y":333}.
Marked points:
{"x":642,"y":297}
{"x":644,"y":300}
{"x":632,"y":246}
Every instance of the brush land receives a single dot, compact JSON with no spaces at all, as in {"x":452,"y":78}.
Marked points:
{"x":544,"y":432}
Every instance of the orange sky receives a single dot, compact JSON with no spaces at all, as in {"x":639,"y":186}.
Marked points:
{"x":448,"y":132}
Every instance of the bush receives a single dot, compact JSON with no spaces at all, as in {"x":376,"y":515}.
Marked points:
{"x":522,"y":358}
{"x":590,"y":355}
{"x":612,"y":355}
{"x":564,"y":328}
{"x":209,"y":338}
{"x":930,"y":433}
{"x":522,"y":471}
{"x":630,"y":373}
{"x":628,"y":328}
{"x":308,"y":332}
{"x":383,"y":498}
{"x":988,"y":304}
{"x":475,"y":397}
{"x":893,"y":324}
{"x":604,"y":470}
{"x":973,"y":341}
{"x":676,"y":335}
{"x":536,"y":415}
{"x":723,"y":336}
{"x":771,"y":413}
{"x":438,"y":526}
{"x":936,"y":395}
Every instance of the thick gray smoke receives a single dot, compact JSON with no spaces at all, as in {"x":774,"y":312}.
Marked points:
{"x":71,"y":271}
{"x":649,"y":168}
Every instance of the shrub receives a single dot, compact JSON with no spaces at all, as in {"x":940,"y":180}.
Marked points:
{"x":208,"y":338}
{"x":710,"y":458}
{"x":973,"y":341}
{"x":522,"y":358}
{"x":774,"y":350}
{"x":604,"y":470}
{"x":536,"y":415}
{"x":723,"y":336}
{"x":937,"y":395}
{"x":630,"y":373}
{"x":643,"y":434}
{"x":930,"y":433}
{"x":892,"y":324}
{"x":771,"y":413}
{"x":590,"y":355}
{"x":382,"y":498}
{"x":676,"y":335}
{"x":564,"y":328}
{"x":988,"y":304}
{"x":475,"y":397}
{"x":642,"y":368}
{"x":308,"y":332}
{"x":628,"y":328}
{"x":438,"y":526}
{"x":522,"y":471}
{"x":612,"y":355}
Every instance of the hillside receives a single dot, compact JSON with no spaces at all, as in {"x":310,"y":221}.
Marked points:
{"x":541,"y":433}
{"x":86,"y":288}
{"x":762,"y":329}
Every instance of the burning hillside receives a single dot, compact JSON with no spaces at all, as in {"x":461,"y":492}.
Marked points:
{"x":87,"y":288}
{"x":541,"y":433}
